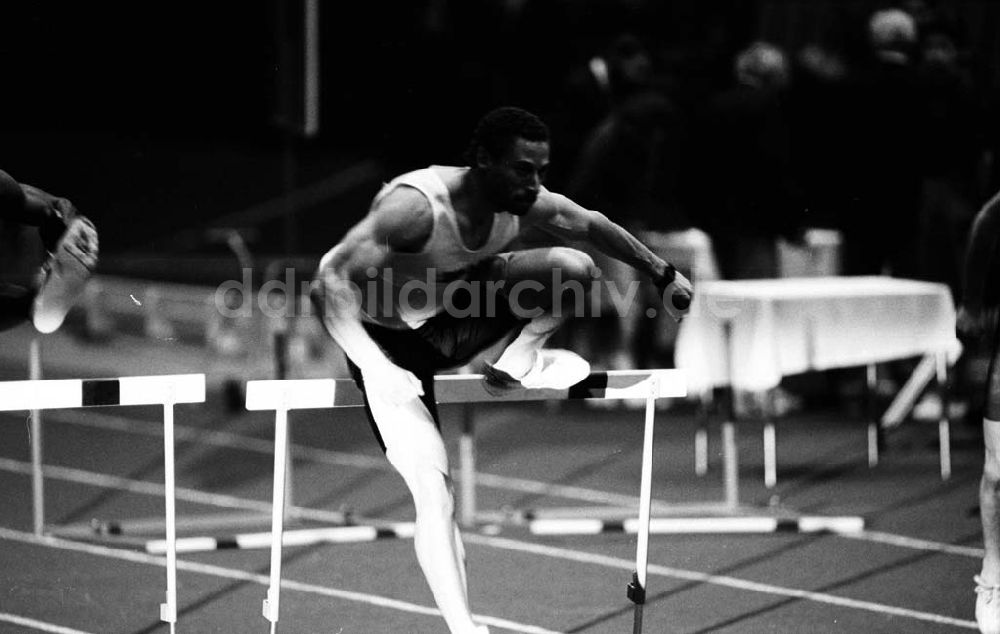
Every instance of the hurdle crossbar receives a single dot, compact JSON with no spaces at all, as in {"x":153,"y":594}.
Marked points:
{"x":282,"y":396}
{"x":163,"y":390}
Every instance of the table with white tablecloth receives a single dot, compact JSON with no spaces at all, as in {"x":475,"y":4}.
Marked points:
{"x":748,"y":334}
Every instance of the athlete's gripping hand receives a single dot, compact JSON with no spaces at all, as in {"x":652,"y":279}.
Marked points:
{"x":676,"y":292}
{"x":974,"y":322}
{"x":391,"y":383}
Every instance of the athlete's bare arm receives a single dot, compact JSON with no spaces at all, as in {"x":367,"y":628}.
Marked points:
{"x":562,"y":217}
{"x":400,"y":221}
{"x":973,"y":320}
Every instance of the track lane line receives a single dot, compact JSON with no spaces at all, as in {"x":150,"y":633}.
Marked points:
{"x":34,"y":624}
{"x":343,"y":459}
{"x":521,"y":485}
{"x":504,"y":543}
{"x":572,"y":555}
{"x":259,"y":579}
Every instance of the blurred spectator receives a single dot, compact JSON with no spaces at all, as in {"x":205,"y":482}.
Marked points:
{"x":817,"y":100}
{"x":591,"y":90}
{"x":628,"y":167}
{"x":750,"y":196}
{"x":953,"y":156}
{"x":883,"y":170}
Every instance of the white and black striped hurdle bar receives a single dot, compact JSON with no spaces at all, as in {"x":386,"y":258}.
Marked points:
{"x":301,"y":537}
{"x":281,"y":396}
{"x":164,"y":390}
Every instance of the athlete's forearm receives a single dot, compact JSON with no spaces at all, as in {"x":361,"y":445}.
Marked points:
{"x":28,"y":205}
{"x":613,"y":240}
{"x":982,"y":247}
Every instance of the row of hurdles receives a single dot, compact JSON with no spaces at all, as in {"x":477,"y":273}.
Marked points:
{"x":283,"y":396}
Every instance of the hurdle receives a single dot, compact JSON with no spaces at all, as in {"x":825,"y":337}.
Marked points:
{"x":164,"y":390}
{"x":284,"y":396}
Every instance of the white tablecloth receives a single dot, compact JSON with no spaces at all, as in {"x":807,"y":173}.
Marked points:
{"x":787,"y":326}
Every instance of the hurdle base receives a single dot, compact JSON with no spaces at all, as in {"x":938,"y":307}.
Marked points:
{"x":121,"y":530}
{"x":689,"y":519}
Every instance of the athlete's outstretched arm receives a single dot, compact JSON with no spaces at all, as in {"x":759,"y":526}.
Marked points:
{"x":561,"y":216}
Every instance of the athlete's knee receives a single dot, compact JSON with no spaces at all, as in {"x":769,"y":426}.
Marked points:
{"x":573,"y":264}
{"x":430,"y":487}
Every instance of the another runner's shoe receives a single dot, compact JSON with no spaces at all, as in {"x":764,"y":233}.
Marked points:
{"x":553,"y":369}
{"x":987,"y":607}
{"x":65,"y":273}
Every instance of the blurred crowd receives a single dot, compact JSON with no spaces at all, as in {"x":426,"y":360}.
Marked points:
{"x":879,"y":131}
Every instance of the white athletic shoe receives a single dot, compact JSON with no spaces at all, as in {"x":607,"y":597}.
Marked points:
{"x":987,"y":607}
{"x":65,"y":273}
{"x":553,"y":369}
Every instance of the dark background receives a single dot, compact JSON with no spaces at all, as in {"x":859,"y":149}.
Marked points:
{"x":156,"y":117}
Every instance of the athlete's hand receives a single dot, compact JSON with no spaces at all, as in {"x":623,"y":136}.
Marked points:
{"x":391,"y":383}
{"x":974,"y":322}
{"x":676,"y":292}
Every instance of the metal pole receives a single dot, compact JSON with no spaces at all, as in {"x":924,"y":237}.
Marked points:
{"x":944,"y":424}
{"x":168,"y":610}
{"x":730,"y":457}
{"x":637,"y":589}
{"x":874,"y":429}
{"x":37,"y":482}
{"x":271,"y":603}
{"x":701,"y":434}
{"x":467,"y":466}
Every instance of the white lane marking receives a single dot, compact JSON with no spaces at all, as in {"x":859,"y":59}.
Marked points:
{"x":585,"y":557}
{"x":259,"y":579}
{"x":336,"y":458}
{"x":719,"y":580}
{"x":34,"y":624}
{"x":152,"y":488}
{"x":903,"y":541}
{"x":502,"y":544}
{"x":343,"y":459}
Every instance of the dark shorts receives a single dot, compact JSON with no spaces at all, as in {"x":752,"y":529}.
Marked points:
{"x":992,"y":391}
{"x":443,"y":342}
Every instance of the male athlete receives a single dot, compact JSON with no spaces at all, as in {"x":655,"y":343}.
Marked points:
{"x":424,"y":282}
{"x":45,"y":296}
{"x":977,"y":318}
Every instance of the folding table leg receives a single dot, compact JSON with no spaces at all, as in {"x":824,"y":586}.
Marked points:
{"x":701,"y":435}
{"x":944,"y":424}
{"x":874,"y":430}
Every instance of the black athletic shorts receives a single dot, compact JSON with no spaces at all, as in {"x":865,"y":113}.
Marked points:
{"x":443,"y":342}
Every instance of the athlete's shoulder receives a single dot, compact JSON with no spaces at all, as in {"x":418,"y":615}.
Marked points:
{"x":402,"y":216}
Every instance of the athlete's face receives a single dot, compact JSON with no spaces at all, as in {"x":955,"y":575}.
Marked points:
{"x":515,"y":178}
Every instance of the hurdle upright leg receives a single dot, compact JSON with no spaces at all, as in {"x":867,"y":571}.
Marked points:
{"x":637,"y":589}
{"x":168,"y":610}
{"x":271,"y":603}
{"x":467,"y":467}
{"x":37,"y":481}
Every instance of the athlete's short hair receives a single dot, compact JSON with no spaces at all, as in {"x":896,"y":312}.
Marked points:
{"x":498,"y":129}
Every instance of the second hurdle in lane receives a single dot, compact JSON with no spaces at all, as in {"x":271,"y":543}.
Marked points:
{"x":282,"y":396}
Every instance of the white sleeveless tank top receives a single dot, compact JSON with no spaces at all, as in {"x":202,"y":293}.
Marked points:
{"x":411,"y":286}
